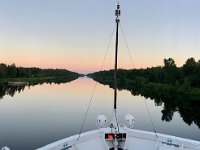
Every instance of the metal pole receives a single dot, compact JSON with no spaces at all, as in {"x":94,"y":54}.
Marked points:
{"x":116,"y":143}
{"x":117,"y":13}
{"x":115,"y":71}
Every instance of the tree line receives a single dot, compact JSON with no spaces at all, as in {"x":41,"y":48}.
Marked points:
{"x":176,"y":88}
{"x":11,"y":71}
{"x":186,"y":76}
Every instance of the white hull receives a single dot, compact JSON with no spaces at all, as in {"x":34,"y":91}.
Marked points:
{"x":135,"y":140}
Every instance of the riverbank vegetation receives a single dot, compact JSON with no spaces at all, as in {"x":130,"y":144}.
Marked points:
{"x":11,"y":73}
{"x":176,"y":89}
{"x":182,"y":80}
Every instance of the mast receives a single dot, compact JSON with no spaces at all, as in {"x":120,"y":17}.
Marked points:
{"x":117,"y":14}
{"x":116,"y":142}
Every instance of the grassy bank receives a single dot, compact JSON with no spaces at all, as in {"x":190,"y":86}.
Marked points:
{"x":36,"y":80}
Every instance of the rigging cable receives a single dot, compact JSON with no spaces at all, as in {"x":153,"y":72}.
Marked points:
{"x":145,"y":100}
{"x":88,"y":107}
{"x":86,"y":112}
{"x":151,"y":119}
{"x":126,"y":45}
{"x":107,"y":49}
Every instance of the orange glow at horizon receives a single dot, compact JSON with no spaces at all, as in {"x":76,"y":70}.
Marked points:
{"x":85,"y":65}
{"x":86,"y":62}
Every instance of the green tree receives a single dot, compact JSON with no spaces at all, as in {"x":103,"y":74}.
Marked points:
{"x":190,"y":66}
{"x":2,"y":70}
{"x":171,"y":71}
{"x":12,"y":71}
{"x":191,"y":71}
{"x":168,"y":63}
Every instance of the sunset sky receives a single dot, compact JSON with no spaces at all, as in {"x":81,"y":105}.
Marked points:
{"x":74,"y":34}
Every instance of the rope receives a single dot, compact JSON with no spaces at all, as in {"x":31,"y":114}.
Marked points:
{"x":87,"y":112}
{"x":133,"y":67}
{"x":151,"y":119}
{"x":107,"y":49}
{"x":88,"y":107}
{"x":127,"y":45}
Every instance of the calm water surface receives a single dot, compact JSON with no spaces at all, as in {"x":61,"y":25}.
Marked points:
{"x":45,"y":113}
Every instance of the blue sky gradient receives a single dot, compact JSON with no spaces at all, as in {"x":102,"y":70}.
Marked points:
{"x":74,"y":34}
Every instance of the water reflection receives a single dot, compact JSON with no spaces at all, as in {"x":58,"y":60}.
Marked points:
{"x":186,"y":105}
{"x":12,"y":89}
{"x":49,"y":112}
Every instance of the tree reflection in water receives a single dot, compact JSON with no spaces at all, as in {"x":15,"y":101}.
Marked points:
{"x":187,"y":107}
{"x":12,"y":89}
{"x":185,"y":104}
{"x":172,"y":99}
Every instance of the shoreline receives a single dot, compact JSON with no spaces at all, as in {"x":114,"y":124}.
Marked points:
{"x":35,"y":80}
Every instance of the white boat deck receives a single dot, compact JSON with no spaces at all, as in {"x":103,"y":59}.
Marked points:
{"x":134,"y":140}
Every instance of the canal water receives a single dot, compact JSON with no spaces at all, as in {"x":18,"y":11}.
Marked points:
{"x":34,"y":116}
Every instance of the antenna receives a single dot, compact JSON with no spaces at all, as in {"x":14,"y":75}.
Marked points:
{"x":117,"y":11}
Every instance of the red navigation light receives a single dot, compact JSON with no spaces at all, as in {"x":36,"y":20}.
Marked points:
{"x":110,"y":136}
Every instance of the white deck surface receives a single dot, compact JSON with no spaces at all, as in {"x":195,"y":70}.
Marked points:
{"x":135,"y":140}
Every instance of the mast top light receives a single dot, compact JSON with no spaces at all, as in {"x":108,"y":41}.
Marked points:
{"x":118,"y":11}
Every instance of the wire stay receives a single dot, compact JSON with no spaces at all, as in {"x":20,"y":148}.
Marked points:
{"x":127,"y":45}
{"x":91,"y":98}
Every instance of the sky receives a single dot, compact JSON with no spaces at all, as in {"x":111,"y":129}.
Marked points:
{"x":75,"y":34}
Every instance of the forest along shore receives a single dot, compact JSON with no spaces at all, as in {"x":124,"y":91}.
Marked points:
{"x":161,"y":79}
{"x":16,"y":76}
